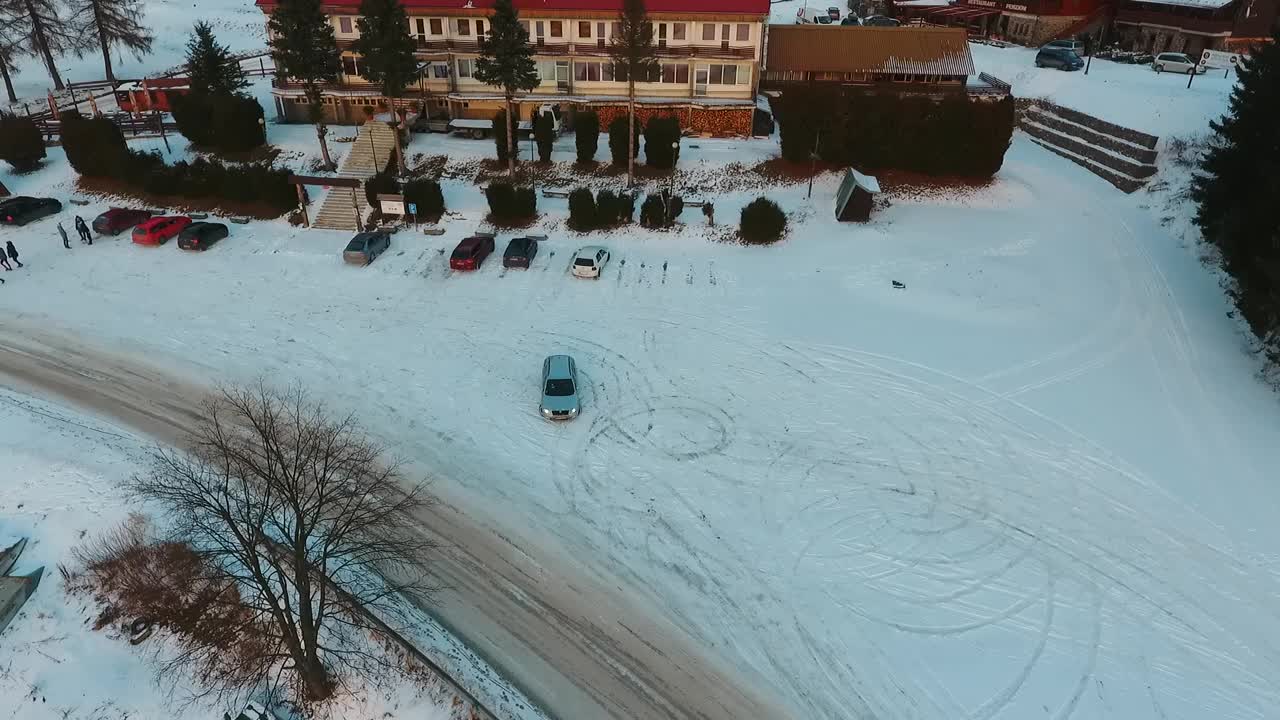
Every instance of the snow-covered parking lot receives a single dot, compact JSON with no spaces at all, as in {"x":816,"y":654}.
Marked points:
{"x":1033,"y":483}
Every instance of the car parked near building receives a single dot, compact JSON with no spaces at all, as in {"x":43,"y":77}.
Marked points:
{"x":520,"y":252}
{"x":812,"y":16}
{"x":365,"y":247}
{"x":1060,"y":58}
{"x":880,"y":21}
{"x":23,"y":209}
{"x":117,"y":220}
{"x":559,"y":388}
{"x":833,"y":13}
{"x":1075,"y":46}
{"x":1177,"y":63}
{"x":589,"y":261}
{"x":471,"y":252}
{"x":158,"y":230}
{"x":201,"y":235}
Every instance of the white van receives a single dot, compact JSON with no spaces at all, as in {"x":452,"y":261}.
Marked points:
{"x":812,"y":16}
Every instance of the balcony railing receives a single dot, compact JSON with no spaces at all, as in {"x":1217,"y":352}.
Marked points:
{"x":1168,"y":19}
{"x":588,"y":48}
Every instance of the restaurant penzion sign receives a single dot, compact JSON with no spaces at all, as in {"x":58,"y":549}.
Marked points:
{"x":1013,"y":7}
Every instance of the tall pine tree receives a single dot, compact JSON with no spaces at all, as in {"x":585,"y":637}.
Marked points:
{"x":506,"y":61}
{"x":1238,"y":190}
{"x":386,"y":51}
{"x":212,"y":68}
{"x":114,"y":22}
{"x":634,"y":60}
{"x":306,"y":50}
{"x":41,"y":30}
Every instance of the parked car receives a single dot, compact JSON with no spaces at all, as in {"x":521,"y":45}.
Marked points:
{"x":158,"y":230}
{"x":811,"y":16}
{"x":1060,"y":58}
{"x":22,"y":209}
{"x":365,"y":247}
{"x":834,"y":14}
{"x":559,"y":388}
{"x":850,"y":19}
{"x":880,"y":21}
{"x":200,"y":235}
{"x":471,"y":252}
{"x":1075,"y":46}
{"x":1177,"y":62}
{"x":590,"y":261}
{"x":520,"y":252}
{"x":117,"y":220}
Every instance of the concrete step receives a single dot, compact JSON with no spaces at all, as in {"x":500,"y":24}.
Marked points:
{"x":1046,"y":117}
{"x":1122,"y":182}
{"x":1114,"y":163}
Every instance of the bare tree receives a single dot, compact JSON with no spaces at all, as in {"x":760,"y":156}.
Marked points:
{"x":299,"y":511}
{"x":42,"y":31}
{"x":9,"y":54}
{"x":113,"y":22}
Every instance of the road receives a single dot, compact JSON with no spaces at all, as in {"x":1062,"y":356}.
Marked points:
{"x":580,"y":647}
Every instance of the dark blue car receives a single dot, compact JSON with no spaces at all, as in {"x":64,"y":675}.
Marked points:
{"x":1058,"y":57}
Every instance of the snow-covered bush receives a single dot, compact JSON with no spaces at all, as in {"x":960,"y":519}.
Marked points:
{"x":20,"y":142}
{"x":660,"y":210}
{"x":662,"y":142}
{"x":426,"y":195}
{"x":94,"y":146}
{"x":762,"y":222}
{"x":618,"y":140}
{"x":583,"y":214}
{"x":507,"y":202}
{"x":587,"y":135}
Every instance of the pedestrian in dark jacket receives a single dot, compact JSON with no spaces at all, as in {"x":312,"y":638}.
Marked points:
{"x":83,"y":229}
{"x":13,"y":253}
{"x":63,"y":232}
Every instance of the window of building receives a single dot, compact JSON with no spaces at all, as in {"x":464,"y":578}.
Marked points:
{"x":464,"y":67}
{"x":675,"y":73}
{"x":439,"y":70}
{"x":344,"y":25}
{"x":562,"y":71}
{"x":662,"y":32}
{"x":480,"y":30}
{"x":350,"y":65}
{"x":593,"y":72}
{"x":708,"y":31}
{"x":600,"y":31}
{"x":557,"y":28}
{"x":584,"y":30}
{"x":524,"y":24}
{"x":721,"y":74}
{"x":464,"y":27}
{"x":437,"y":26}
{"x":677,"y":31}
{"x":616,"y":29}
{"x":724,"y":31}
{"x":743,"y":32}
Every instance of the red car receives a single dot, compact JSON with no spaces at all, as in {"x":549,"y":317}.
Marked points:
{"x":159,"y":229}
{"x":117,"y":220}
{"x":471,"y":252}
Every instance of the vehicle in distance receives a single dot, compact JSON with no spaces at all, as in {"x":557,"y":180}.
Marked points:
{"x":117,"y":220}
{"x":365,"y":247}
{"x":1056,"y":57}
{"x":880,"y":21}
{"x":471,"y":252}
{"x":520,"y":252}
{"x":1075,"y":46}
{"x":158,"y":230}
{"x":200,"y":235}
{"x":1178,"y":63}
{"x":589,"y":261}
{"x":559,"y":388}
{"x":23,"y":209}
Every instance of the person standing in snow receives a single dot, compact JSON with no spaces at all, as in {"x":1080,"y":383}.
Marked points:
{"x":4,"y":262}
{"x":13,"y":253}
{"x":63,"y":232}
{"x":83,"y":229}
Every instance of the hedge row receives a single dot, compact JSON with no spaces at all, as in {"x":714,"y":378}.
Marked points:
{"x":508,"y":202}
{"x":660,"y":210}
{"x":606,"y":209}
{"x":951,"y":136}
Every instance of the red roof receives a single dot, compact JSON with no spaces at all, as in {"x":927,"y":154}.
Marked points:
{"x":734,"y":7}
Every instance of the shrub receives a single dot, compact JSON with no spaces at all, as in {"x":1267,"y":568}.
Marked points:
{"x":544,"y":132}
{"x":507,"y":202}
{"x":94,"y":146}
{"x":618,"y":140}
{"x":660,"y":135}
{"x":526,"y":202}
{"x":202,"y":179}
{"x":583,"y":213}
{"x":230,"y":123}
{"x":194,"y":116}
{"x":660,"y":210}
{"x":21,"y":144}
{"x":500,"y":134}
{"x":606,"y":207}
{"x":384,"y":183}
{"x":762,"y":221}
{"x":587,"y":135}
{"x":426,"y":195}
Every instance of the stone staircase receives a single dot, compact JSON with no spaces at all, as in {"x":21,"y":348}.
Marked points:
{"x":336,"y":211}
{"x":1123,"y":157}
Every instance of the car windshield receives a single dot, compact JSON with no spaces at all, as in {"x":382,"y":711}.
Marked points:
{"x":356,"y":245}
{"x":584,"y":262}
{"x":463,"y":251}
{"x":559,"y":388}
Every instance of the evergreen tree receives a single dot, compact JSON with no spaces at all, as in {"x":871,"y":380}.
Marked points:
{"x":20,"y":142}
{"x":305,"y":49}
{"x":544,"y":134}
{"x":212,"y":68}
{"x":386,"y":51}
{"x":506,"y":61}
{"x":1237,"y":192}
{"x":114,"y":22}
{"x":634,"y":60}
{"x":587,"y":135}
{"x":40,"y":29}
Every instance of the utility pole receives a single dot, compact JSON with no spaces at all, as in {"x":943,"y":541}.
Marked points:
{"x":813,"y":161}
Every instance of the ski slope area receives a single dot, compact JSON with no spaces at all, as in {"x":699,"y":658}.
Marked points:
{"x":1036,"y":482}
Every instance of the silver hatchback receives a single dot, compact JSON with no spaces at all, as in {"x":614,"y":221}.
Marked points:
{"x":559,"y":388}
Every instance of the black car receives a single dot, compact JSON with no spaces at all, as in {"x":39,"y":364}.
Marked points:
{"x":520,"y":252}
{"x":22,"y":209}
{"x":200,"y":235}
{"x":880,"y":21}
{"x":1058,"y":57}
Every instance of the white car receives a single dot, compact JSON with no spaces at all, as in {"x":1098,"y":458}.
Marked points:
{"x":1176,"y":62}
{"x":589,"y":261}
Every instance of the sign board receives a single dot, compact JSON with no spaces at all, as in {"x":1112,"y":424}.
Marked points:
{"x":1219,"y":59}
{"x":413,"y":209}
{"x":391,"y":204}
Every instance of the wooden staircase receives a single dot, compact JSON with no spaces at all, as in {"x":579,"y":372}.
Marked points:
{"x":375,"y":143}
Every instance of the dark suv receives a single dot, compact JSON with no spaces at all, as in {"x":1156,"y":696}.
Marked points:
{"x":1058,"y":57}
{"x":117,"y":220}
{"x":22,"y":209}
{"x":520,"y":252}
{"x":471,"y":252}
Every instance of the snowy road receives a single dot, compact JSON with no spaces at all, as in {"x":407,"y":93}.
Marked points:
{"x":1038,"y":482}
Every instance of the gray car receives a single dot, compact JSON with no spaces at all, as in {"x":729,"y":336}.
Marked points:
{"x":559,"y":388}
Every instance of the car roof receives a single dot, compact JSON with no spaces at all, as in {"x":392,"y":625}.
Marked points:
{"x":558,"y":364}
{"x":367,"y":235}
{"x":589,"y":250}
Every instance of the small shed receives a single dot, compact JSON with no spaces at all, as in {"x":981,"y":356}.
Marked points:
{"x":854,"y":200}
{"x":14,"y":592}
